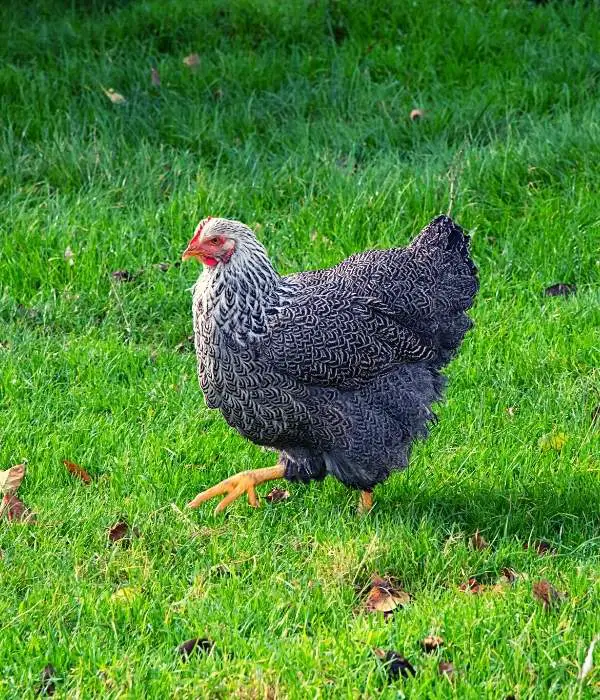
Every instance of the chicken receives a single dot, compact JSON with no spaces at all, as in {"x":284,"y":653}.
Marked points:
{"x":335,"y":369}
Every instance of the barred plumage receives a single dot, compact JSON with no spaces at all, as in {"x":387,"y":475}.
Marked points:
{"x":338,"y":368}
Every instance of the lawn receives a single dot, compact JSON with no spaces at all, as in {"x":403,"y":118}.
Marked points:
{"x":296,"y":121}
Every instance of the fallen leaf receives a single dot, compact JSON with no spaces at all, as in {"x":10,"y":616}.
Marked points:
{"x":417,"y":114}
{"x":276,"y":495}
{"x":15,"y":509}
{"x":431,"y":643}
{"x":395,"y":664}
{"x":123,"y":276}
{"x":478,"y":541}
{"x":126,"y":594}
{"x":200,"y":645}
{"x":471,"y":586}
{"x":560,"y":290}
{"x":69,"y":256}
{"x":192,"y":61}
{"x":11,"y":479}
{"x":385,"y":597}
{"x":186,"y":345}
{"x":548,"y":596}
{"x":552,"y":441}
{"x":164,"y":266}
{"x":47,"y":686}
{"x":510,"y":577}
{"x":541,"y":547}
{"x":154,"y":77}
{"x":511,"y":410}
{"x":445,"y":668}
{"x":588,"y":663}
{"x":121,"y":531}
{"x":115,"y":97}
{"x":77,"y":471}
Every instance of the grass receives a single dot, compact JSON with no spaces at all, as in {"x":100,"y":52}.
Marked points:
{"x":295,"y":121}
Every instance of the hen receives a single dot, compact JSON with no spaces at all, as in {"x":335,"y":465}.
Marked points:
{"x":336,"y":369}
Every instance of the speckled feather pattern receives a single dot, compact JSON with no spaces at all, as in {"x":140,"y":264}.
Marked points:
{"x":338,"y":368}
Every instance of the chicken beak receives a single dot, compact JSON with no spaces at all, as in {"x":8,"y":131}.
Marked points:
{"x":192,"y":251}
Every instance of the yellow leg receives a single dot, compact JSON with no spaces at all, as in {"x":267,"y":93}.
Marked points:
{"x":235,"y":486}
{"x":365,"y":502}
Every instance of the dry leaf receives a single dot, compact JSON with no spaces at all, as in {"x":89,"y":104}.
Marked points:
{"x":542,"y":547}
{"x":560,"y":290}
{"x":11,"y":479}
{"x":478,"y":542}
{"x":120,"y":531}
{"x":69,"y":256}
{"x":553,"y":441}
{"x":200,"y":645}
{"x":192,"y":61}
{"x":276,"y":495}
{"x":77,"y":471}
{"x":417,"y":114}
{"x":115,"y":97}
{"x":15,"y":509}
{"x":47,"y":686}
{"x":123,"y":276}
{"x":186,"y":345}
{"x":445,"y":668}
{"x":384,"y":597}
{"x":154,"y":77}
{"x":126,"y":594}
{"x":588,"y":663}
{"x":471,"y":586}
{"x":548,"y":596}
{"x":431,"y":643}
{"x":395,"y":664}
{"x":510,"y":577}
{"x":511,"y":410}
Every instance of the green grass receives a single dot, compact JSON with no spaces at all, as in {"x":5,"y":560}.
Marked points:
{"x":296,"y":121}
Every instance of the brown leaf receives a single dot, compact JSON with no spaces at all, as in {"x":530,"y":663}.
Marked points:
{"x":445,"y":668}
{"x":385,"y":597}
{"x":560,"y":290}
{"x":541,"y":547}
{"x":47,"y":686}
{"x":471,"y":586}
{"x":192,"y":61}
{"x":186,"y":345}
{"x":276,"y":495}
{"x":115,"y":97}
{"x":123,"y":276}
{"x":200,"y":645}
{"x":16,"y":510}
{"x":417,"y":114}
{"x":121,"y":531}
{"x":548,"y":596}
{"x":478,"y":542}
{"x":77,"y":471}
{"x":154,"y":77}
{"x":509,"y":575}
{"x":431,"y":643}
{"x":395,"y":664}
{"x":11,"y":479}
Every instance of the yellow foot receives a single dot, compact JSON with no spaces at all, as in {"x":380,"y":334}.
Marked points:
{"x":365,"y":502}
{"x":236,"y":485}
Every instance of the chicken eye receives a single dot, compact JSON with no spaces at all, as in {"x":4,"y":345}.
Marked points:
{"x":214,"y":239}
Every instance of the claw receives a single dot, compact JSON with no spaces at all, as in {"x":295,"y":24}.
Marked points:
{"x":235,"y":486}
